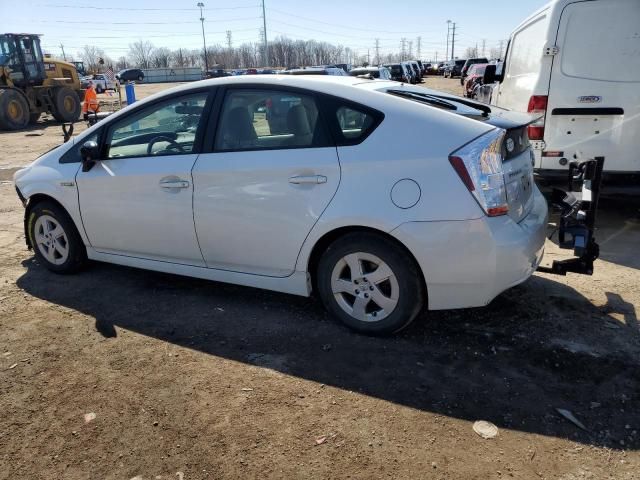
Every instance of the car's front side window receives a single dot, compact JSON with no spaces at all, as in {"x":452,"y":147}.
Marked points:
{"x":269,"y":119}
{"x":166,"y":128}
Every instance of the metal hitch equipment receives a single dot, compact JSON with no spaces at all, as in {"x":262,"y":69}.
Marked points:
{"x":578,"y":206}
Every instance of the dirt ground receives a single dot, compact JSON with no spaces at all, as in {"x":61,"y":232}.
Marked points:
{"x":117,"y":373}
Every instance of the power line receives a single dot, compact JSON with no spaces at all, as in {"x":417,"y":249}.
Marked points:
{"x":146,"y":9}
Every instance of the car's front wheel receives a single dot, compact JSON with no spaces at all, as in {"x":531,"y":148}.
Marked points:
{"x":54,"y":238}
{"x":370,"y":283}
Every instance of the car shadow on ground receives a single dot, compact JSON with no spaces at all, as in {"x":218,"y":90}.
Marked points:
{"x":537,"y":347}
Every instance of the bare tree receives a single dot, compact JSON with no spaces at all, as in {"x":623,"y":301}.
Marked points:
{"x":91,"y":56}
{"x":160,"y":57}
{"x":140,"y":53}
{"x":121,"y":64}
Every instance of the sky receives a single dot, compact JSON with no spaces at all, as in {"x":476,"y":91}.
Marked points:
{"x":112,"y":25}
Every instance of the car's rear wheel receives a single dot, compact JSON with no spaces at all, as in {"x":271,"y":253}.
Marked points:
{"x":370,"y":283}
{"x":140,"y":78}
{"x":55,"y":239}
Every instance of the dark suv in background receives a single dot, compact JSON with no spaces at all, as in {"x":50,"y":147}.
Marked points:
{"x":130,"y":75}
{"x":453,"y":68}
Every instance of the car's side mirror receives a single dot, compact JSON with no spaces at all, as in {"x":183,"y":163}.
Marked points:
{"x":89,"y":153}
{"x":489,"y":74}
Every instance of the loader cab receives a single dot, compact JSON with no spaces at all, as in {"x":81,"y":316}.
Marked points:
{"x":23,"y":55}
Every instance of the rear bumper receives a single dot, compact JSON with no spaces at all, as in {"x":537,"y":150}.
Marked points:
{"x":468,"y":263}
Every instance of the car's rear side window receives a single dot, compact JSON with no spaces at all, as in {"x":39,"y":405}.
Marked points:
{"x":351,"y":123}
{"x":269,"y":119}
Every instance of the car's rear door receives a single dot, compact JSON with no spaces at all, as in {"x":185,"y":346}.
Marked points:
{"x":271,"y":173}
{"x":594,"y":92}
{"x":137,"y":200}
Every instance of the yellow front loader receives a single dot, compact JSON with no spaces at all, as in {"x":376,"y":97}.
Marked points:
{"x":31,"y":84}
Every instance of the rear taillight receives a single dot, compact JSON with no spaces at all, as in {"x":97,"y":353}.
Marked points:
{"x":537,"y":106}
{"x":479,"y":166}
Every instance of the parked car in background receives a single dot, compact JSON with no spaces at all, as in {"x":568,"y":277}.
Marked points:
{"x":453,"y":68}
{"x":413,"y":79}
{"x":440,"y":68}
{"x":317,"y":70}
{"x":397,"y":72}
{"x":130,"y":75}
{"x":316,"y":207}
{"x":467,"y":65}
{"x":102,"y":83}
{"x":217,"y":72}
{"x":473,"y":79}
{"x":344,"y":66}
{"x":574,"y":66}
{"x":372,"y":72}
{"x":416,"y":70}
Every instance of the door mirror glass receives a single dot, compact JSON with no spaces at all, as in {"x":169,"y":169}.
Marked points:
{"x":489,"y":74}
{"x":89,"y":153}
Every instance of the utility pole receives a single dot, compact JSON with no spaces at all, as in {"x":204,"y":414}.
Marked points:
{"x":453,"y":39}
{"x":419,"y":42}
{"x":63,"y":55}
{"x":229,"y":41}
{"x":501,"y":47}
{"x":436,"y":56}
{"x":368,"y":58}
{"x":266,"y":43}
{"x":377,"y":51}
{"x":446,"y":57}
{"x":403,"y":42}
{"x":204,"y":41}
{"x":484,"y":45}
{"x":410,"y":49}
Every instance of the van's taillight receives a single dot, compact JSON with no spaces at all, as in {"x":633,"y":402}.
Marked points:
{"x":479,"y":166}
{"x":537,"y":106}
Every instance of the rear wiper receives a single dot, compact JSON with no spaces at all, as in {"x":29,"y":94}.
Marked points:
{"x":426,"y":98}
{"x":478,"y":106}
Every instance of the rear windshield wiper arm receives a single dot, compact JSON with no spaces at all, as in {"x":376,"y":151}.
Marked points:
{"x":421,"y":97}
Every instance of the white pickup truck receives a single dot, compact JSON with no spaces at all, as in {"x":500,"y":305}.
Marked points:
{"x":101,"y":82}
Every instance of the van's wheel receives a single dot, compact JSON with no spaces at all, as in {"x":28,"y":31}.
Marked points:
{"x":55,"y":239}
{"x":66,"y":105}
{"x":14,"y":110}
{"x":370,"y":283}
{"x":140,"y":78}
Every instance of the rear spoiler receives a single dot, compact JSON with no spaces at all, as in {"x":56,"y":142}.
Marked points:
{"x":578,"y":206}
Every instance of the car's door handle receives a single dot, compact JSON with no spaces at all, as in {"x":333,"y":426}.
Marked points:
{"x":174,"y":184}
{"x":313,"y":179}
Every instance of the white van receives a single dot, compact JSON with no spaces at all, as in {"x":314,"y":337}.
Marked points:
{"x":577,"y":63}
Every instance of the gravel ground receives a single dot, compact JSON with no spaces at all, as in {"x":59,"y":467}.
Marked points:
{"x":116,"y":373}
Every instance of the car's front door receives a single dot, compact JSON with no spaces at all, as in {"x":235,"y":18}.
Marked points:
{"x":137,"y":200}
{"x":272,"y":172}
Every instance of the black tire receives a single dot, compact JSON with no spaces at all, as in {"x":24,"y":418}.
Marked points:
{"x":66,"y":105}
{"x":14,"y":110}
{"x":99,"y":89}
{"x":410,"y":289}
{"x":77,"y":253}
{"x":140,"y":78}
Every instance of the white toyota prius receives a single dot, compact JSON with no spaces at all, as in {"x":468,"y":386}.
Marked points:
{"x":383,"y":198}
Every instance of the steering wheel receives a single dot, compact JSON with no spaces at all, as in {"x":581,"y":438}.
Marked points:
{"x":163,"y":138}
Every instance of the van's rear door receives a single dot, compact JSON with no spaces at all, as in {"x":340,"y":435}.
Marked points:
{"x":594,"y":92}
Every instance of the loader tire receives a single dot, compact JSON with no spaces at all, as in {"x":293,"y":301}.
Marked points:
{"x":14,"y":110}
{"x":66,"y":105}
